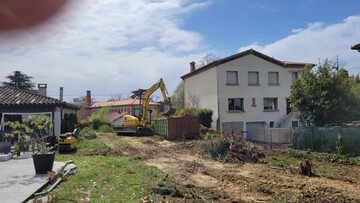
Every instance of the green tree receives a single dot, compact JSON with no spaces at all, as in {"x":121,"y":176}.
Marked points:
{"x":98,"y":118}
{"x":177,"y":98}
{"x":19,"y":80}
{"x":355,"y":88}
{"x":137,"y":94}
{"x":323,"y":97}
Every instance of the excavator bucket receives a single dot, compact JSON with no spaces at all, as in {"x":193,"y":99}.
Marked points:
{"x":166,"y":109}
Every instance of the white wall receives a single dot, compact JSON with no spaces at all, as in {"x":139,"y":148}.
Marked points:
{"x":58,"y":116}
{"x":203,"y":86}
{"x":210,"y":86}
{"x":57,"y":121}
{"x":243,"y":90}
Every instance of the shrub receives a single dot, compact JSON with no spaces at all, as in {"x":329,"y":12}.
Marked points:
{"x":105,"y":128}
{"x":188,"y":112}
{"x":69,"y":122}
{"x":205,"y":115}
{"x":96,"y":123}
{"x":216,"y":149}
{"x":339,"y":145}
{"x":87,"y":134}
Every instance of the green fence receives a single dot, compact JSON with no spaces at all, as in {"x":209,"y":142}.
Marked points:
{"x":161,"y":127}
{"x":325,"y":139}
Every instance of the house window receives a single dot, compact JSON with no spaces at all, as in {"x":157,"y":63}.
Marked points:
{"x":137,"y":112}
{"x":253,"y":78}
{"x":294,"y":124}
{"x":270,"y":104}
{"x":271,"y":124}
{"x":232,"y":77}
{"x":294,"y":75}
{"x":236,"y":104}
{"x":273,"y":78}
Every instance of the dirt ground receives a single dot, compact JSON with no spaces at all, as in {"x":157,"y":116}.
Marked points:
{"x":200,"y":179}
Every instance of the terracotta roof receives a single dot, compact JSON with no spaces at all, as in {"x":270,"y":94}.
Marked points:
{"x":10,"y":96}
{"x":82,"y":104}
{"x":241,"y":54}
{"x":124,"y":102}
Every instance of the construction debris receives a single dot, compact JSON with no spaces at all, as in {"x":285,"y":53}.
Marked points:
{"x":229,"y":148}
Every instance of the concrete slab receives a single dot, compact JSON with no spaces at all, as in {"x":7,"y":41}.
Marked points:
{"x":18,"y":180}
{"x":5,"y":157}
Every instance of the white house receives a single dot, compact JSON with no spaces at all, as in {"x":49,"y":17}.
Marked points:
{"x":247,"y":90}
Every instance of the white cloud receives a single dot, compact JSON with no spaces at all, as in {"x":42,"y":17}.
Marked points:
{"x":108,"y":47}
{"x":318,"y":42}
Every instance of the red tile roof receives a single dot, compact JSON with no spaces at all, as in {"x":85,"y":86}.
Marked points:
{"x":124,"y":102}
{"x":10,"y":96}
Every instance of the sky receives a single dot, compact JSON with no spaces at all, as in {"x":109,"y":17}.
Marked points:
{"x":113,"y":47}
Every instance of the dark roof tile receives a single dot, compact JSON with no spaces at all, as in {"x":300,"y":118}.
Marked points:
{"x":10,"y":96}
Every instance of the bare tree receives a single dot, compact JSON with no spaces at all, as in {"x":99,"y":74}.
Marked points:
{"x":193,"y":101}
{"x":207,"y":59}
{"x":115,"y":97}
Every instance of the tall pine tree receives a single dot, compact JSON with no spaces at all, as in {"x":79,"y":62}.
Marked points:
{"x":19,"y":80}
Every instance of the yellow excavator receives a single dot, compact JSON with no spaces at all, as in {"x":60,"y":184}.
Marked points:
{"x":67,"y":142}
{"x":141,"y":126}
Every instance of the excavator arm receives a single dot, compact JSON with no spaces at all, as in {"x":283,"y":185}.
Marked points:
{"x":166,"y":108}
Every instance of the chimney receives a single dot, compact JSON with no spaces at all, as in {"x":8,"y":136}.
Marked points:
{"x":192,"y":66}
{"x":61,"y":94}
{"x":42,"y":89}
{"x":88,"y":98}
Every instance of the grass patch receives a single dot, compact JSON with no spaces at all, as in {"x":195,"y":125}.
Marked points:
{"x":282,"y":161}
{"x":113,"y":138}
{"x":330,"y":157}
{"x":354,"y":160}
{"x":108,"y":179}
{"x":327,"y":170}
{"x":94,"y":144}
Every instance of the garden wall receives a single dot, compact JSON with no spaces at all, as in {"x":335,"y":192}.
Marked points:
{"x":273,"y":135}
